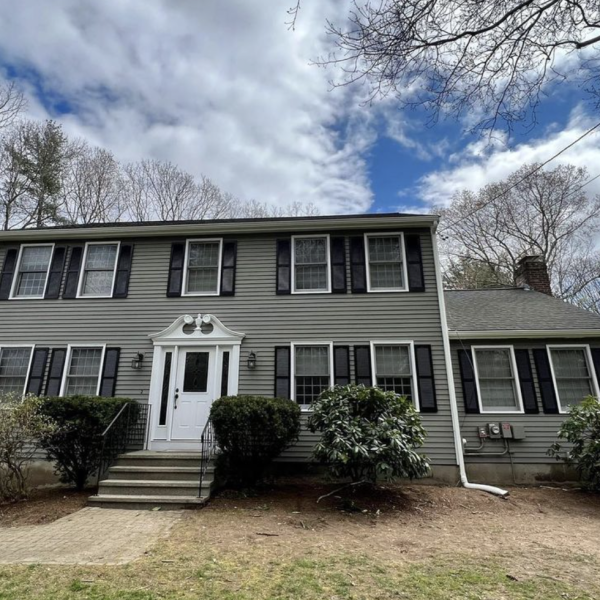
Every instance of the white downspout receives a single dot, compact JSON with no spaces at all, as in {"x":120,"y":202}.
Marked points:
{"x":451,"y":389}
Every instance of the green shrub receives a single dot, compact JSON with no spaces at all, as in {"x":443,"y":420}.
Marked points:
{"x":367,"y":434}
{"x":75,"y":443}
{"x":251,"y":431}
{"x":581,"y":430}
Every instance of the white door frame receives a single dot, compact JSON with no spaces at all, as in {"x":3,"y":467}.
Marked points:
{"x":182,"y":334}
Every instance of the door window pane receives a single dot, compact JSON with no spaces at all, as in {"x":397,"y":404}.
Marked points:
{"x":99,"y":269}
{"x":572,"y":374}
{"x":310,"y":264}
{"x":83,"y":372}
{"x":392,"y":369}
{"x":385,"y":262}
{"x":14,"y":365}
{"x":164,"y":393}
{"x":312,"y":374}
{"x":203,"y":267}
{"x":497,"y":383}
{"x":33,"y":271}
{"x":195,"y":378}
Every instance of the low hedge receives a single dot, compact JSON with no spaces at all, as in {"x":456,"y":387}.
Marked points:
{"x":75,"y":443}
{"x":251,"y":431}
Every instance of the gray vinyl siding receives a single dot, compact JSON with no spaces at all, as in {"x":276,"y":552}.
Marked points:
{"x":268,"y":320}
{"x":540,"y":429}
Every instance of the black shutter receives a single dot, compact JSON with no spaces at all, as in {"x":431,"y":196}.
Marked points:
{"x":284,"y":266}
{"x":8,"y":272}
{"x":56,"y":272}
{"x":414,"y":263}
{"x":362,"y":365}
{"x":57,"y":364}
{"x":338,"y":265}
{"x":36,"y":373}
{"x":469,"y":386}
{"x":530,"y":403}
{"x":426,"y":382}
{"x":109,"y":372}
{"x":282,"y":372}
{"x":123,"y":271}
{"x":544,"y":374}
{"x":341,"y":365}
{"x":72,"y":279}
{"x":176,"y":266}
{"x":228,"y":268}
{"x":596,"y":361}
{"x":358,"y":269}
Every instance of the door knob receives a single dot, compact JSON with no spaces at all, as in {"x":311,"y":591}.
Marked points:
{"x":176,"y":396}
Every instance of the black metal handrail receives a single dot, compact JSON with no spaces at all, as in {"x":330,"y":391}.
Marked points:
{"x":207,"y":451}
{"x":127,"y":431}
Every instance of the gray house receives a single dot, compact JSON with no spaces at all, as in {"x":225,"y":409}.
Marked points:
{"x":175,"y":315}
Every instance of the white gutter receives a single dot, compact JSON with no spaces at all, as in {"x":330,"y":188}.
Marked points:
{"x":458,"y":444}
{"x":523,"y":333}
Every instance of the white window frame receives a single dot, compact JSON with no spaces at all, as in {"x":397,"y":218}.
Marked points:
{"x":590,"y":366}
{"x":325,"y":236}
{"x":184,"y":291}
{"x":519,"y":410}
{"x":399,"y":234}
{"x":13,"y":288}
{"x":413,"y":365}
{"x":82,"y":270}
{"x":293,"y":345}
{"x":70,"y":348}
{"x":32,"y":348}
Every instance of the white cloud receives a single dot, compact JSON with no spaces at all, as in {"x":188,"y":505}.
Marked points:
{"x":480,"y":163}
{"x":222,"y":89}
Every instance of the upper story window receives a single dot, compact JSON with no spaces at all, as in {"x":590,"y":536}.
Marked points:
{"x":386,"y":263}
{"x":32,"y":271}
{"x":312,"y":370}
{"x":14,"y":368}
{"x":82,"y":375}
{"x":573,"y":374}
{"x":310,"y":264}
{"x":202,"y":268}
{"x":496,"y":373}
{"x":394,"y":368}
{"x":99,"y":268}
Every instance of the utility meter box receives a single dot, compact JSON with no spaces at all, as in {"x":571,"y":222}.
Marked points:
{"x":507,"y":432}
{"x":518,"y":432}
{"x":494,"y":431}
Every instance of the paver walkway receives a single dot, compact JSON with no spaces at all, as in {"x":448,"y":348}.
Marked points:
{"x":92,"y":536}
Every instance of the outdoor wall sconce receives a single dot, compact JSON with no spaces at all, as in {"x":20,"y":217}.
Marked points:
{"x":136,"y":362}
{"x":252,"y":360}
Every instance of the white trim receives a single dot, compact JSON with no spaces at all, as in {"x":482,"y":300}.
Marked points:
{"x":523,"y":333}
{"x":70,"y":348}
{"x":305,"y":407}
{"x":327,"y":237}
{"x":174,"y":334}
{"x":413,"y":365}
{"x":17,"y":271}
{"x":590,"y":367}
{"x":400,"y":234}
{"x":82,"y":270}
{"x":184,"y":291}
{"x":516,"y":385}
{"x":31,"y":348}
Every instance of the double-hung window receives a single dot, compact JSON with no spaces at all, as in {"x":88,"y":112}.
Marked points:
{"x":386,"y":263}
{"x":32,"y":271}
{"x":203,"y":267}
{"x":573,"y":374}
{"x":82,"y":372}
{"x":393,"y":368}
{"x":311,"y":272}
{"x":99,"y":268}
{"x":14,"y":368}
{"x":312,"y":369}
{"x":496,"y":372}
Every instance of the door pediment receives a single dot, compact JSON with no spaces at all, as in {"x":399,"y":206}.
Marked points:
{"x":187,"y":330}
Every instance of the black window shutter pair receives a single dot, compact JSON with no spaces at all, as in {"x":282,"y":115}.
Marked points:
{"x":284,"y":266}
{"x":108,"y":379}
{"x":414,"y":264}
{"x":177,"y":266}
{"x":425,"y":378}
{"x":525,"y":376}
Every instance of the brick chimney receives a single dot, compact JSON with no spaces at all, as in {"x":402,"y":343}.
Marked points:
{"x":533,"y":272}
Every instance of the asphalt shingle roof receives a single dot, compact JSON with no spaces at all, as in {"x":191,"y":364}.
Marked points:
{"x":513,"y":309}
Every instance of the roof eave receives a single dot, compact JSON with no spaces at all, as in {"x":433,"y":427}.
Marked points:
{"x":523,"y":333}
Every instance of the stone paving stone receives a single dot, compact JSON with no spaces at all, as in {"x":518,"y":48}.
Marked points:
{"x":91,"y":536}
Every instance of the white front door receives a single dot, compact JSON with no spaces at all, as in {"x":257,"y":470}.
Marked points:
{"x":194,"y":392}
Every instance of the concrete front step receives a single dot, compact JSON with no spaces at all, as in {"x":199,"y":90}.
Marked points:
{"x":121,"y":487}
{"x":157,"y":473}
{"x":159,"y":459}
{"x":146,"y":502}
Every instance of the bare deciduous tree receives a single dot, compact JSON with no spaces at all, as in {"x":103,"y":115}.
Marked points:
{"x":252,"y":209}
{"x":12,"y":104}
{"x":12,"y":184}
{"x":490,"y":59}
{"x":548,"y":213}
